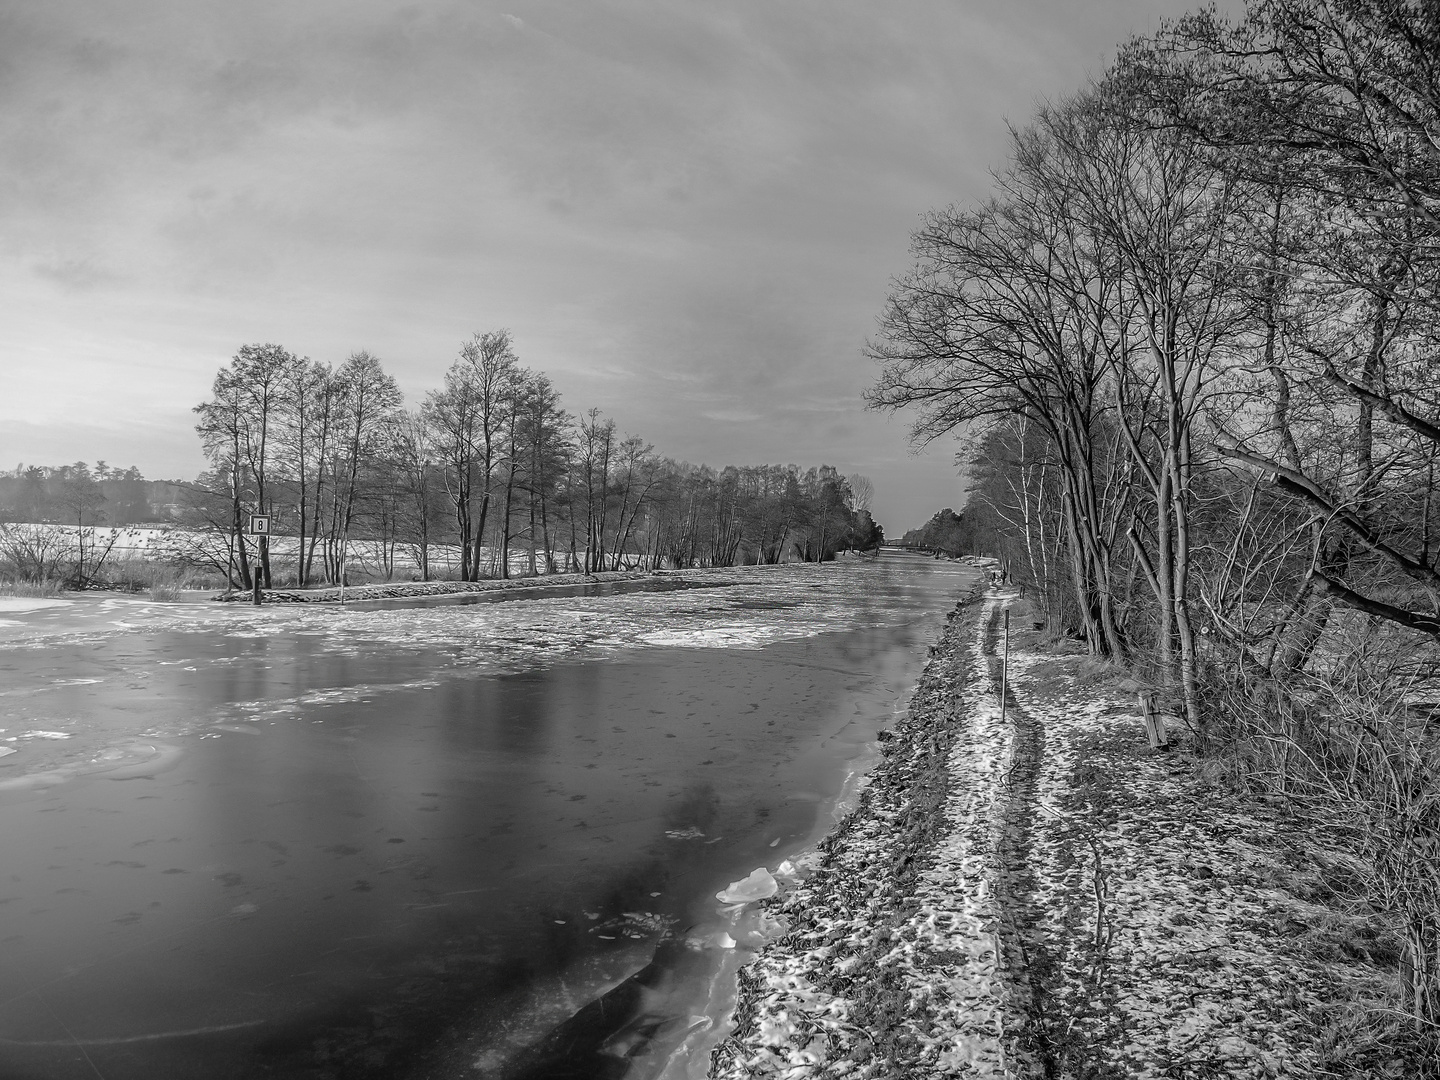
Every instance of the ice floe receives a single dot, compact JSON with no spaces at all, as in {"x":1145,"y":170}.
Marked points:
{"x":757,"y":886}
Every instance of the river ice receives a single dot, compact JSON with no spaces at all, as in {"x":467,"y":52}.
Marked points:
{"x":396,"y":833}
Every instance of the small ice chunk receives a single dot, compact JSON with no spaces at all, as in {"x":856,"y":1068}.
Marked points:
{"x":724,"y":940}
{"x":757,"y":886}
{"x":7,"y":750}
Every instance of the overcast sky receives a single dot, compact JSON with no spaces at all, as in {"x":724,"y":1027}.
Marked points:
{"x":687,"y":213}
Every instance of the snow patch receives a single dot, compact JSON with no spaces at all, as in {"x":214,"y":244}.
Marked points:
{"x":21,"y":604}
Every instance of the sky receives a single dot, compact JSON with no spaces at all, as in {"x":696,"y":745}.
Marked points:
{"x":687,"y":212}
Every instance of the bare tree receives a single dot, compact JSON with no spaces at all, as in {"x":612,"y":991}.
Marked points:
{"x":862,"y":491}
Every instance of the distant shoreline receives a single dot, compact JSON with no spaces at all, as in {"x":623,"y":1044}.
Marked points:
{"x":401,"y":590}
{"x":404,"y":590}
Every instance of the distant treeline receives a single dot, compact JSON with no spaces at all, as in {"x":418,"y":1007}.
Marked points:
{"x":488,"y":463}
{"x":946,"y":533}
{"x":81,"y":495}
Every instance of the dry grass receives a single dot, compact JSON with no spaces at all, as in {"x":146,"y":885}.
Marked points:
{"x":162,"y":581}
{"x":1361,"y":770}
{"x":1069,"y":671}
{"x":21,"y":587}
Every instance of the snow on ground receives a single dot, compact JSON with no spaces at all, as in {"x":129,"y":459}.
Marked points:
{"x":20,"y":604}
{"x":1046,"y":896}
{"x":1162,"y":919}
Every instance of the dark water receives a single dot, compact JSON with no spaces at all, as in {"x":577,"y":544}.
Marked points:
{"x":408,"y":843}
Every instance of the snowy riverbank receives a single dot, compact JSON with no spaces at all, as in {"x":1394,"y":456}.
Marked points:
{"x":1046,"y":896}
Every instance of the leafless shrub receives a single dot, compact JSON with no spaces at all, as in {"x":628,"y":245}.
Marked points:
{"x":1372,"y":776}
{"x":164,"y":580}
{"x":1355,"y":752}
{"x":36,"y":553}
{"x":167,"y":582}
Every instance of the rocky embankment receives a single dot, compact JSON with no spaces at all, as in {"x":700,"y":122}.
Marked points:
{"x":1037,"y":893}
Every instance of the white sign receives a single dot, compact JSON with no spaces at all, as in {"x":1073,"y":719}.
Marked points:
{"x":259,"y":525}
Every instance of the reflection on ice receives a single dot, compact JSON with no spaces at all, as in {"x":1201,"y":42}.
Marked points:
{"x":128,"y":760}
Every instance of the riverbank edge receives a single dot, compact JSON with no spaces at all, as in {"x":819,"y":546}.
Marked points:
{"x":858,"y":901}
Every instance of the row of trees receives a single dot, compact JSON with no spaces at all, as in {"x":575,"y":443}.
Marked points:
{"x":490,"y":472}
{"x":1196,"y":327}
{"x":944,"y":534}
{"x":67,"y":494}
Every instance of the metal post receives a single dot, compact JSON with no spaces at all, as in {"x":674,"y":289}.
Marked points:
{"x":1005,"y":668}
{"x":256,"y":579}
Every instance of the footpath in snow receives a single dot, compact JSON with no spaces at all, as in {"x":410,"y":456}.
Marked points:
{"x":1045,"y":896}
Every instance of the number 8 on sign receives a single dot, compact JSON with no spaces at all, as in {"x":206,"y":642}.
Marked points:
{"x":259,"y":525}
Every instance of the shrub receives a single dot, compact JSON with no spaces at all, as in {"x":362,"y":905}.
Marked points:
{"x":1352,"y":752}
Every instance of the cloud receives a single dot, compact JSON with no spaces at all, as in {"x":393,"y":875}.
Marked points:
{"x":687,"y":212}
{"x":731,"y":416}
{"x":76,"y":274}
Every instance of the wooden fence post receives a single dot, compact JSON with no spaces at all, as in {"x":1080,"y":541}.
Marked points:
{"x":1154,"y":721}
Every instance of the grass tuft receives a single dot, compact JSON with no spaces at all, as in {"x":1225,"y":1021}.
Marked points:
{"x":21,"y":587}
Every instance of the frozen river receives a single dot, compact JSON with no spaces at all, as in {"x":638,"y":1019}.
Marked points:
{"x":409,"y":839}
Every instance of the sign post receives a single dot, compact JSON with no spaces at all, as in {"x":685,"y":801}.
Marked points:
{"x":259,"y":526}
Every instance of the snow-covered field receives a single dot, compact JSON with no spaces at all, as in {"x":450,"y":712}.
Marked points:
{"x":167,"y":543}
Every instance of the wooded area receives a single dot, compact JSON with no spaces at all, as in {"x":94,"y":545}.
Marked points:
{"x":1193,"y":337}
{"x":79,"y":494}
{"x":489,"y":463}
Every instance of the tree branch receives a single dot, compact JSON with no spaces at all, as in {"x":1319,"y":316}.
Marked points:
{"x":1298,"y":484}
{"x":1386,"y":405}
{"x":1427,"y":624}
